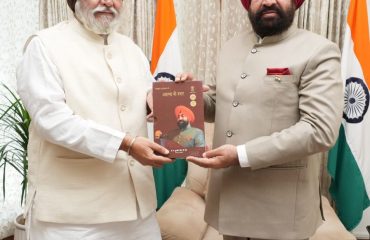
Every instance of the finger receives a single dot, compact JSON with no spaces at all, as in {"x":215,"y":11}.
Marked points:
{"x":187,"y":76}
{"x":203,"y":162}
{"x":161,"y":159}
{"x":213,"y":153}
{"x":205,"y":88}
{"x":150,"y":117}
{"x":178,"y":77}
{"x":181,"y":77}
{"x":159,"y":149}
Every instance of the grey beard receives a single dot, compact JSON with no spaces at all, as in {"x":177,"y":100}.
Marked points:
{"x":101,"y":27}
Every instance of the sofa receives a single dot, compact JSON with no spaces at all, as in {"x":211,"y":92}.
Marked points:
{"x":181,"y":217}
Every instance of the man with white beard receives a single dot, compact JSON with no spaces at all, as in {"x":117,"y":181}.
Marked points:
{"x":90,"y":166}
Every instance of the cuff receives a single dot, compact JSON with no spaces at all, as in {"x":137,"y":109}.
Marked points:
{"x":242,"y":156}
{"x":112,"y":147}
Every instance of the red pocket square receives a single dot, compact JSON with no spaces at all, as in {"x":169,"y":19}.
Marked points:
{"x":278,"y":71}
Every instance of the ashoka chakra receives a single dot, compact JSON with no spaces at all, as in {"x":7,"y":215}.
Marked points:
{"x":356,"y":100}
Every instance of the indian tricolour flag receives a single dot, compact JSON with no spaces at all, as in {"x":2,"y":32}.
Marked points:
{"x":165,"y":64}
{"x":349,"y":160}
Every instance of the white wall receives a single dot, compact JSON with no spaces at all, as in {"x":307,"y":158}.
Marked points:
{"x":19,"y":19}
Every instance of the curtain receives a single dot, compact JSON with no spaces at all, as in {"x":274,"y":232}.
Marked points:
{"x":139,"y":23}
{"x":53,"y":12}
{"x":325,"y":17}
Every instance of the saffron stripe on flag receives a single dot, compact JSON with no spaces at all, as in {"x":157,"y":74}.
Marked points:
{"x":165,"y":24}
{"x":358,"y":22}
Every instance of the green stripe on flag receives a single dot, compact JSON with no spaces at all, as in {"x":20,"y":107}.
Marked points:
{"x":347,"y":187}
{"x":167,"y":178}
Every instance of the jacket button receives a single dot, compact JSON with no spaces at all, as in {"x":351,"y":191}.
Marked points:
{"x":123,"y":107}
{"x":132,"y":163}
{"x":229,"y":133}
{"x":253,"y":50}
{"x":243,"y":75}
{"x":235,"y":103}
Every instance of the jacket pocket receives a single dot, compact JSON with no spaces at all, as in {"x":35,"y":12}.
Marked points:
{"x":280,"y":81}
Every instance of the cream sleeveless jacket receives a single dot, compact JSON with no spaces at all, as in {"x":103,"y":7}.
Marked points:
{"x":106,"y":84}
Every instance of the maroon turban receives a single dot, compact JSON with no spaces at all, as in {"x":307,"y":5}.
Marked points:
{"x":246,"y":3}
{"x":186,"y":111}
{"x":71,"y":4}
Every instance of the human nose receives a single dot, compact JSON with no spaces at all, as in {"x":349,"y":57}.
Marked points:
{"x":268,"y":2}
{"x":108,"y":3}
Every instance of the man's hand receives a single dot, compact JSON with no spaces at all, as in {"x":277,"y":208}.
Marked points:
{"x":182,"y":77}
{"x":149,"y":102}
{"x":221,"y":157}
{"x":148,"y":153}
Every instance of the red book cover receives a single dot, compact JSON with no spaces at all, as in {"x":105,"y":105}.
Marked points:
{"x":179,"y":118}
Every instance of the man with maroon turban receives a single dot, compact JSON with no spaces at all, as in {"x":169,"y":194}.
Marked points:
{"x":276,"y":102}
{"x":90,"y":164}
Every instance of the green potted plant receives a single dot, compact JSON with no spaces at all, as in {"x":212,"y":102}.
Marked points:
{"x":14,"y":122}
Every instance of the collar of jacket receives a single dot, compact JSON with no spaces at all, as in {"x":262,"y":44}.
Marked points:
{"x":276,"y":38}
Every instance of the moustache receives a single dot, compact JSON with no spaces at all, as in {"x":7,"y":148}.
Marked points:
{"x":265,"y":9}
{"x":111,"y":10}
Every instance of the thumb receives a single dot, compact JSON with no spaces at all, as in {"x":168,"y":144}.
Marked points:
{"x":150,"y":117}
{"x":212,"y":153}
{"x":159,"y":149}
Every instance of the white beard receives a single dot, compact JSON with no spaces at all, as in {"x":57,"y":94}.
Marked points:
{"x":102,"y":25}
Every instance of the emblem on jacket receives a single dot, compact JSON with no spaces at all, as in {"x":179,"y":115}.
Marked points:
{"x":356,"y":100}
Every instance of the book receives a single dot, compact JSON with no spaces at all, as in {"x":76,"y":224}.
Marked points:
{"x":179,"y":118}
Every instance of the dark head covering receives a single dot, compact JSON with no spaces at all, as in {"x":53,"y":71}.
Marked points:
{"x":71,"y":4}
{"x":246,"y":3}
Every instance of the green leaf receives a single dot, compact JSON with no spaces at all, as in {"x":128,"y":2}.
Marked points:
{"x":15,"y":121}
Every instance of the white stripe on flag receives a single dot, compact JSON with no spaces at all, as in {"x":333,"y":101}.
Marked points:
{"x":351,"y":67}
{"x":170,"y":59}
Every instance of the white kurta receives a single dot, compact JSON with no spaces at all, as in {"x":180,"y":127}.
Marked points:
{"x":140,"y":229}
